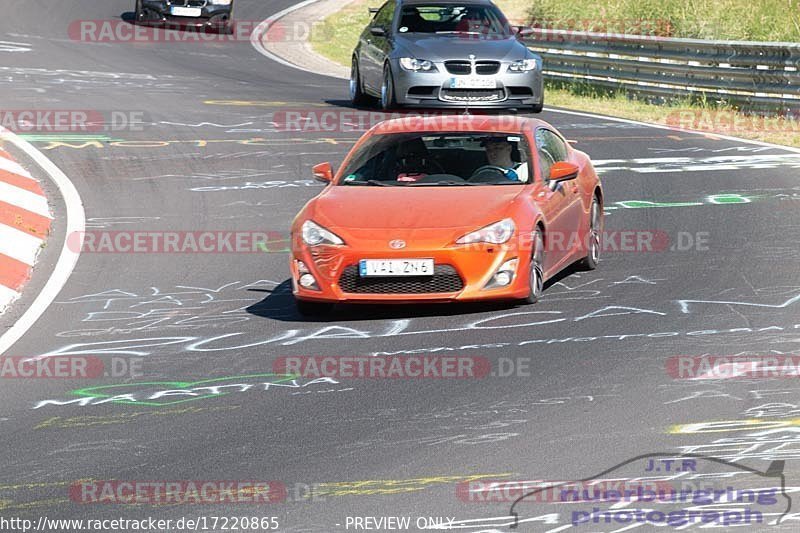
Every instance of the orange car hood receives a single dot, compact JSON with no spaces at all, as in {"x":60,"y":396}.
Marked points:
{"x":370,"y":207}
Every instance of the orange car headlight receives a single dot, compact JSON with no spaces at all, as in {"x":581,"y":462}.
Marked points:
{"x":314,"y":234}
{"x":496,"y":233}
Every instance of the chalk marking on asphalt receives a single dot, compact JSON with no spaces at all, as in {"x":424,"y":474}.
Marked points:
{"x":75,"y":224}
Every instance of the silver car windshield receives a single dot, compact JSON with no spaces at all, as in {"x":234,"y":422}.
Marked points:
{"x":453,"y":18}
{"x":440,"y":159}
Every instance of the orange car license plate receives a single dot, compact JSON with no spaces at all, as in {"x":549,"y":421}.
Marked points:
{"x":395,"y":267}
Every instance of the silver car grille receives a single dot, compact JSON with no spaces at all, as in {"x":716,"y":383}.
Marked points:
{"x":458,"y":67}
{"x":187,"y":3}
{"x":472,"y":95}
{"x":465,"y":67}
{"x":487,"y":67}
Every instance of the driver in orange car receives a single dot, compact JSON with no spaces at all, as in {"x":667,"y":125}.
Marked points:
{"x":499,"y":154}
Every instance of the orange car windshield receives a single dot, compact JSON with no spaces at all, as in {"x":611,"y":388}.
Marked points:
{"x":440,"y":159}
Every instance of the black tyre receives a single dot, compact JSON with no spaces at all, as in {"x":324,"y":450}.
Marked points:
{"x":594,"y":236}
{"x":308,"y":308}
{"x":537,"y":108}
{"x":536,"y":270}
{"x":357,"y":95}
{"x":388,"y":99}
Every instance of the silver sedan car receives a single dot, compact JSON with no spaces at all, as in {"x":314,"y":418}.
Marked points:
{"x":445,"y":53}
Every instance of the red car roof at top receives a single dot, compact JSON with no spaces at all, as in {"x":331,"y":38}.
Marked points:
{"x":447,"y":123}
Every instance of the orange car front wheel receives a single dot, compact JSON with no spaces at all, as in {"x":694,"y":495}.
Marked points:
{"x":536,"y":272}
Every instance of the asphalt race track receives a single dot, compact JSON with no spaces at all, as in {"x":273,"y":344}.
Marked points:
{"x":207,"y":156}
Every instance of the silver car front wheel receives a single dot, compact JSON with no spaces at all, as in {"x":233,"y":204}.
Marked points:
{"x":388,"y":100}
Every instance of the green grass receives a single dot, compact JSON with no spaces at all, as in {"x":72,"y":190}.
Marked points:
{"x":344,"y":26}
{"x":749,"y":20}
{"x":721,"y":19}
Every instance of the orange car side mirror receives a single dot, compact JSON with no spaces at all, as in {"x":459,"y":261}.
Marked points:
{"x":563,"y":171}
{"x":323,"y":172}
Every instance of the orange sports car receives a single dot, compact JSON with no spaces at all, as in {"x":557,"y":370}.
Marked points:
{"x":447,"y":208}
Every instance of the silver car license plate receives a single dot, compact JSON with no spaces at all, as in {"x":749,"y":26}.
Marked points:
{"x":473,"y":82}
{"x":185,"y":11}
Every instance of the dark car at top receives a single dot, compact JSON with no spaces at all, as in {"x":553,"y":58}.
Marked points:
{"x":215,"y":14}
{"x":445,"y":53}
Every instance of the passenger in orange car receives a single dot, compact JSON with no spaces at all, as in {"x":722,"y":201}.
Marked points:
{"x":415,"y":162}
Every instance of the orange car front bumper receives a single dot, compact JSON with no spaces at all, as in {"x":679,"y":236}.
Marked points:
{"x":462,"y":273}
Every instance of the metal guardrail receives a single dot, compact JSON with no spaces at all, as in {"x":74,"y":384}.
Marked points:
{"x":752,"y":75}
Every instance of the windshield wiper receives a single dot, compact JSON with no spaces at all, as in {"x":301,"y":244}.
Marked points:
{"x":371,"y":182}
{"x":464,"y":32}
{"x":436,"y":183}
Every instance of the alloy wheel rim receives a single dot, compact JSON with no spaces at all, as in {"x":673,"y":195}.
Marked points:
{"x":537,"y":276}
{"x":385,"y":91}
{"x":594,"y":232}
{"x":353,"y":80}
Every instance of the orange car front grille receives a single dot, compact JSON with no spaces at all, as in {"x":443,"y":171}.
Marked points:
{"x":445,"y":279}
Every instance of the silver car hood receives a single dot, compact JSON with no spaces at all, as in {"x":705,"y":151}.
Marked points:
{"x":442,"y":47}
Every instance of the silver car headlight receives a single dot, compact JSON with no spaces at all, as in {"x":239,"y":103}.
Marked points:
{"x":417,"y":65}
{"x":523,"y":65}
{"x":496,"y":233}
{"x":314,"y":234}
